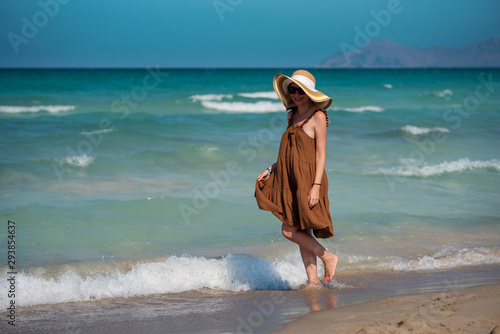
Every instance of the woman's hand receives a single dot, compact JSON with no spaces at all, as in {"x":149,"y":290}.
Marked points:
{"x":264,"y":175}
{"x":313,"y":196}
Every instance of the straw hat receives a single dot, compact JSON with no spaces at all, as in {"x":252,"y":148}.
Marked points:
{"x":304,"y":80}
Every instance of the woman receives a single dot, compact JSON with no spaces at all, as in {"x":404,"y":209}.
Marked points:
{"x":295,"y":188}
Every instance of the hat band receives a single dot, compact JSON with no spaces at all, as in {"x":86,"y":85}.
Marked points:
{"x":306,"y":81}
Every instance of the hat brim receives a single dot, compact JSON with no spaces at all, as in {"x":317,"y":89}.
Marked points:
{"x":281,"y":83}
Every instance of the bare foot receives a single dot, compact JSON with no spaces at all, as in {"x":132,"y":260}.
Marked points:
{"x":330,"y":265}
{"x":312,"y":285}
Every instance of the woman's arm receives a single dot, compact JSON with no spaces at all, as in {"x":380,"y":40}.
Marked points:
{"x":319,"y":123}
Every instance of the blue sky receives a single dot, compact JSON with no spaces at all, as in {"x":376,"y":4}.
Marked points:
{"x":225,"y":33}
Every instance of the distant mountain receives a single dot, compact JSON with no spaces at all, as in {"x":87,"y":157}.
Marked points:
{"x":383,"y":53}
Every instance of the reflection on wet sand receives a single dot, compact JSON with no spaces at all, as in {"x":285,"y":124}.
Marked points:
{"x":320,"y":299}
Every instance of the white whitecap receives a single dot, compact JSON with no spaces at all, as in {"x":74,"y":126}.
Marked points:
{"x":209,"y":147}
{"x":444,"y":93}
{"x":388,"y":86}
{"x":263,"y":95}
{"x":360,"y":109}
{"x":414,"y":130}
{"x":50,"y":109}
{"x":210,"y":97}
{"x":242,"y":107}
{"x":426,"y":170}
{"x":447,"y":259}
{"x":82,"y":160}
{"x":95,"y":132}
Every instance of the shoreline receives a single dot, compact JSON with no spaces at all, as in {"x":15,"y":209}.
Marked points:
{"x":466,"y":310}
{"x":256,"y":311}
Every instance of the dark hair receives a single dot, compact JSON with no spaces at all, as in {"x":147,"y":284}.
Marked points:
{"x":291,"y":114}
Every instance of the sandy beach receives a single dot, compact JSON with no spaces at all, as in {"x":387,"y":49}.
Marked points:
{"x":468,"y":310}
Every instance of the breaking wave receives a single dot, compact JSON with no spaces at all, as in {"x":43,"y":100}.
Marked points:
{"x":100,"y":280}
{"x":444,"y":93}
{"x":82,"y":160}
{"x":124,"y":279}
{"x":414,"y":130}
{"x":444,"y":259}
{"x":227,"y":103}
{"x":264,"y":95}
{"x":243,"y":107}
{"x":210,"y":97}
{"x":21,"y":109}
{"x":426,"y":170}
{"x":360,"y":109}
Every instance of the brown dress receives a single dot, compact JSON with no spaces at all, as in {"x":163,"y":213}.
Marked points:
{"x":284,"y":193}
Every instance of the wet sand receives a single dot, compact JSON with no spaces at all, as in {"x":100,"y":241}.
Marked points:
{"x":468,"y":310}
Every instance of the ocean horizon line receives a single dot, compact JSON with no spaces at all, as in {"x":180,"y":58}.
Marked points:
{"x":249,"y":68}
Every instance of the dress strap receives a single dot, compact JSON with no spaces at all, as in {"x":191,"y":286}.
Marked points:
{"x":308,"y":118}
{"x":314,"y":113}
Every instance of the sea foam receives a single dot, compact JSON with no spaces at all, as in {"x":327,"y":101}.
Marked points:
{"x":414,"y":130}
{"x":95,"y":132}
{"x":448,"y":258}
{"x":99,"y":280}
{"x":210,"y":97}
{"x":82,"y":160}
{"x":215,"y":102}
{"x":21,"y":109}
{"x":175,"y":274}
{"x":263,"y":95}
{"x":444,"y":93}
{"x":243,"y":107}
{"x":360,"y":109}
{"x":426,"y":170}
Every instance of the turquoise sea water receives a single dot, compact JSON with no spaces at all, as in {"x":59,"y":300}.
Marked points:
{"x":136,"y":182}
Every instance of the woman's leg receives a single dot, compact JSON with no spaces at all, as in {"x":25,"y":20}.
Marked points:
{"x":309,"y":260}
{"x":311,"y":245}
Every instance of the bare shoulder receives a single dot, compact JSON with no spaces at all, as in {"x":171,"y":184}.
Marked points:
{"x":320,"y":119}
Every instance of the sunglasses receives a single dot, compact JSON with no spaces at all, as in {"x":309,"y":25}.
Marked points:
{"x":293,"y":90}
